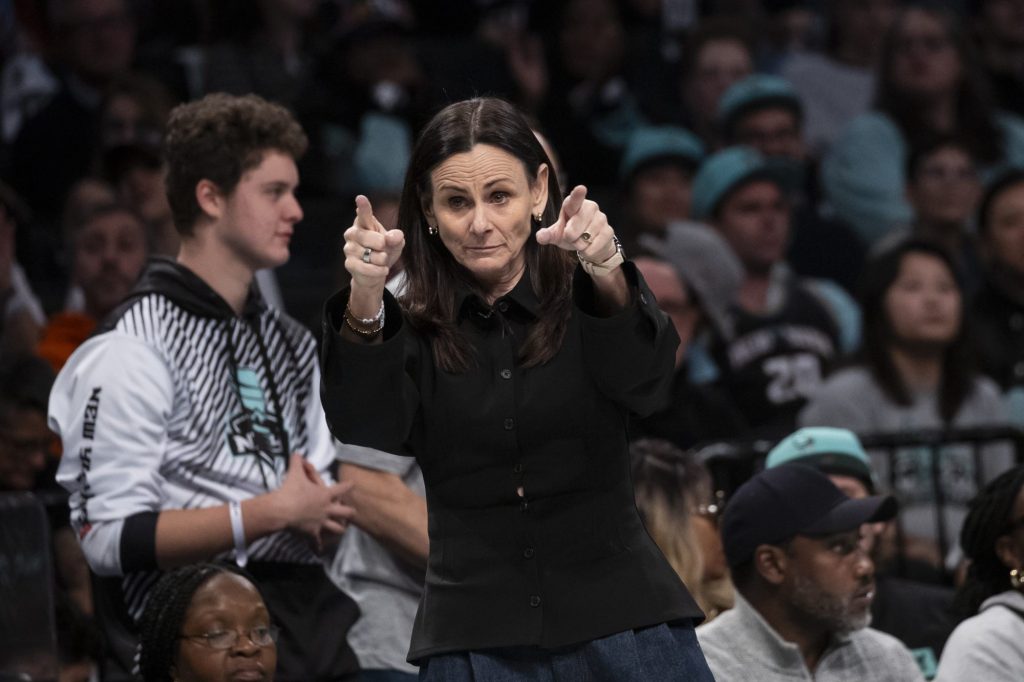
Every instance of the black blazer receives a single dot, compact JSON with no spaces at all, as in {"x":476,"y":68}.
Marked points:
{"x":568,"y":562}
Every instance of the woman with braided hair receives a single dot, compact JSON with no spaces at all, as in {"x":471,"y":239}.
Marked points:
{"x":989,"y":645}
{"x":206,"y":623}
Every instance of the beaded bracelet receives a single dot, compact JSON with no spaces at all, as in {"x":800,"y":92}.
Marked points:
{"x":364,"y":324}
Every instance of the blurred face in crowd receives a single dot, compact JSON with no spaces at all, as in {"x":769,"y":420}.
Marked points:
{"x":673,"y":298}
{"x":925,"y":62}
{"x":829,"y":582}
{"x":1004,"y":234}
{"x":227,"y":604}
{"x":945,"y":189}
{"x":718,"y":65}
{"x":592,"y":39}
{"x":25,"y":442}
{"x":1002,"y":22}
{"x":754,"y":220}
{"x":482,"y":202}
{"x":773,"y":131}
{"x":862,"y":24}
{"x":923,"y":303}
{"x":98,"y":37}
{"x":1010,"y":547}
{"x":660,"y":194}
{"x":110,"y":252}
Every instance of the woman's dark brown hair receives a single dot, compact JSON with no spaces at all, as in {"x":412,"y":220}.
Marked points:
{"x":435,"y":277}
{"x":879,"y":336}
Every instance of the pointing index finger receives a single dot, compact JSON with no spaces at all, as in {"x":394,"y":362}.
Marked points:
{"x":573,"y":202}
{"x":364,"y":215}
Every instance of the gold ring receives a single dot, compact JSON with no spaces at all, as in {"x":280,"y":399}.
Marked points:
{"x":586,"y":237}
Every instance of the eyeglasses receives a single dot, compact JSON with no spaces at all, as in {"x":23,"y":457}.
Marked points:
{"x":261,"y":635}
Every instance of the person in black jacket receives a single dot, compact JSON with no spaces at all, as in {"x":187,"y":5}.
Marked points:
{"x":999,"y":304}
{"x":509,"y":369}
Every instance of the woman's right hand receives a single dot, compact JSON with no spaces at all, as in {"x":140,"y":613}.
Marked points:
{"x":369,"y":269}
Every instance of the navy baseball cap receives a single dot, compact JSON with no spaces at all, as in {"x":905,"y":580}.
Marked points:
{"x":789,"y":500}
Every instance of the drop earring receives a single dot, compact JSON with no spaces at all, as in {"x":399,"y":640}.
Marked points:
{"x":1017,"y":579}
{"x":539,"y":217}
{"x":431,"y":230}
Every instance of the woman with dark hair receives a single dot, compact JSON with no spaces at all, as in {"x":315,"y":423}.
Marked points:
{"x":929,"y":84}
{"x":915,"y":371}
{"x":509,"y":369}
{"x":206,"y":623}
{"x":989,"y":645}
{"x":680,"y":508}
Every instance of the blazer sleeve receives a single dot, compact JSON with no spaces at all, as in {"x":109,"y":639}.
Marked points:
{"x":368,"y":392}
{"x":631,"y":355}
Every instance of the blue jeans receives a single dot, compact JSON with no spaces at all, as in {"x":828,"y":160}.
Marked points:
{"x":666,"y":653}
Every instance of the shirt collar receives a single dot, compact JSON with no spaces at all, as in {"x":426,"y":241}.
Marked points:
{"x":522,"y":297}
{"x":781,"y":653}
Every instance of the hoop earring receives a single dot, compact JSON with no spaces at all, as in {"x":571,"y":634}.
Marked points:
{"x":431,"y":230}
{"x":1017,"y":579}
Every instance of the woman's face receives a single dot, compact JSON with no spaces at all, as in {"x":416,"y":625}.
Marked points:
{"x":923,"y":303}
{"x":925,"y":62}
{"x":482,"y":203}
{"x":1004,"y":236}
{"x":225,"y":603}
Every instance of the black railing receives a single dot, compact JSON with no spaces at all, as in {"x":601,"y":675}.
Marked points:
{"x":992,"y":449}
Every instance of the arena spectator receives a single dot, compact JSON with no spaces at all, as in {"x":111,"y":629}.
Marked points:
{"x":989,"y":645}
{"x":787,"y":330}
{"x":590,"y":110}
{"x":999,"y":305}
{"x":206,"y":623}
{"x":766,"y":114}
{"x":94,"y":43}
{"x":943,"y":190}
{"x":680,"y":508}
{"x":929,"y":83}
{"x":21,"y":315}
{"x":719,"y":53}
{"x":838,"y":84}
{"x":918,"y":614}
{"x":696,"y":278}
{"x":916,"y":371}
{"x":999,"y":33}
{"x":804,"y":586}
{"x":191,"y":424}
{"x":655,"y":180}
{"x":261,"y":48}
{"x":108,"y":252}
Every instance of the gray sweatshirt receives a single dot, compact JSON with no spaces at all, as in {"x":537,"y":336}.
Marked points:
{"x":741,"y":646}
{"x":988,"y":646}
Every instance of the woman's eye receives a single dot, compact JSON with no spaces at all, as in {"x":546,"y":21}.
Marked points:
{"x":499,"y":197}
{"x":456,"y":202}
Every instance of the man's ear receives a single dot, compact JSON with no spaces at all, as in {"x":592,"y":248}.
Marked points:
{"x":210,"y":199}
{"x":771,"y":563}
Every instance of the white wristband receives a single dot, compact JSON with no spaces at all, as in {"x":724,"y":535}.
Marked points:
{"x":238,"y":532}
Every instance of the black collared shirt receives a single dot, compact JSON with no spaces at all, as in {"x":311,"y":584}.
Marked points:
{"x":567,"y":562}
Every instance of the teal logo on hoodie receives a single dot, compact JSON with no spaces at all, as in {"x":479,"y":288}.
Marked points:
{"x":255,"y":430}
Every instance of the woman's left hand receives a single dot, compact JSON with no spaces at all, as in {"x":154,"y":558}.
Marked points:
{"x":581,"y":227}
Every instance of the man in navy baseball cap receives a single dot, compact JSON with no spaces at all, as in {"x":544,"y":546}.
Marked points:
{"x":804,"y":585}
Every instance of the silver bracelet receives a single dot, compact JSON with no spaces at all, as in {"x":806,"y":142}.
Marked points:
{"x":238,"y":532}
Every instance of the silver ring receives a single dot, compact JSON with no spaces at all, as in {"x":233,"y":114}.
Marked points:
{"x":366,"y":254}
{"x":586,"y":237}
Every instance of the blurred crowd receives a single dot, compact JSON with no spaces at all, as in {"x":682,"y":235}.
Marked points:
{"x":826,"y":197}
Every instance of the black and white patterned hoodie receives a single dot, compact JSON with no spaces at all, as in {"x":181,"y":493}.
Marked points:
{"x":179,"y":403}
